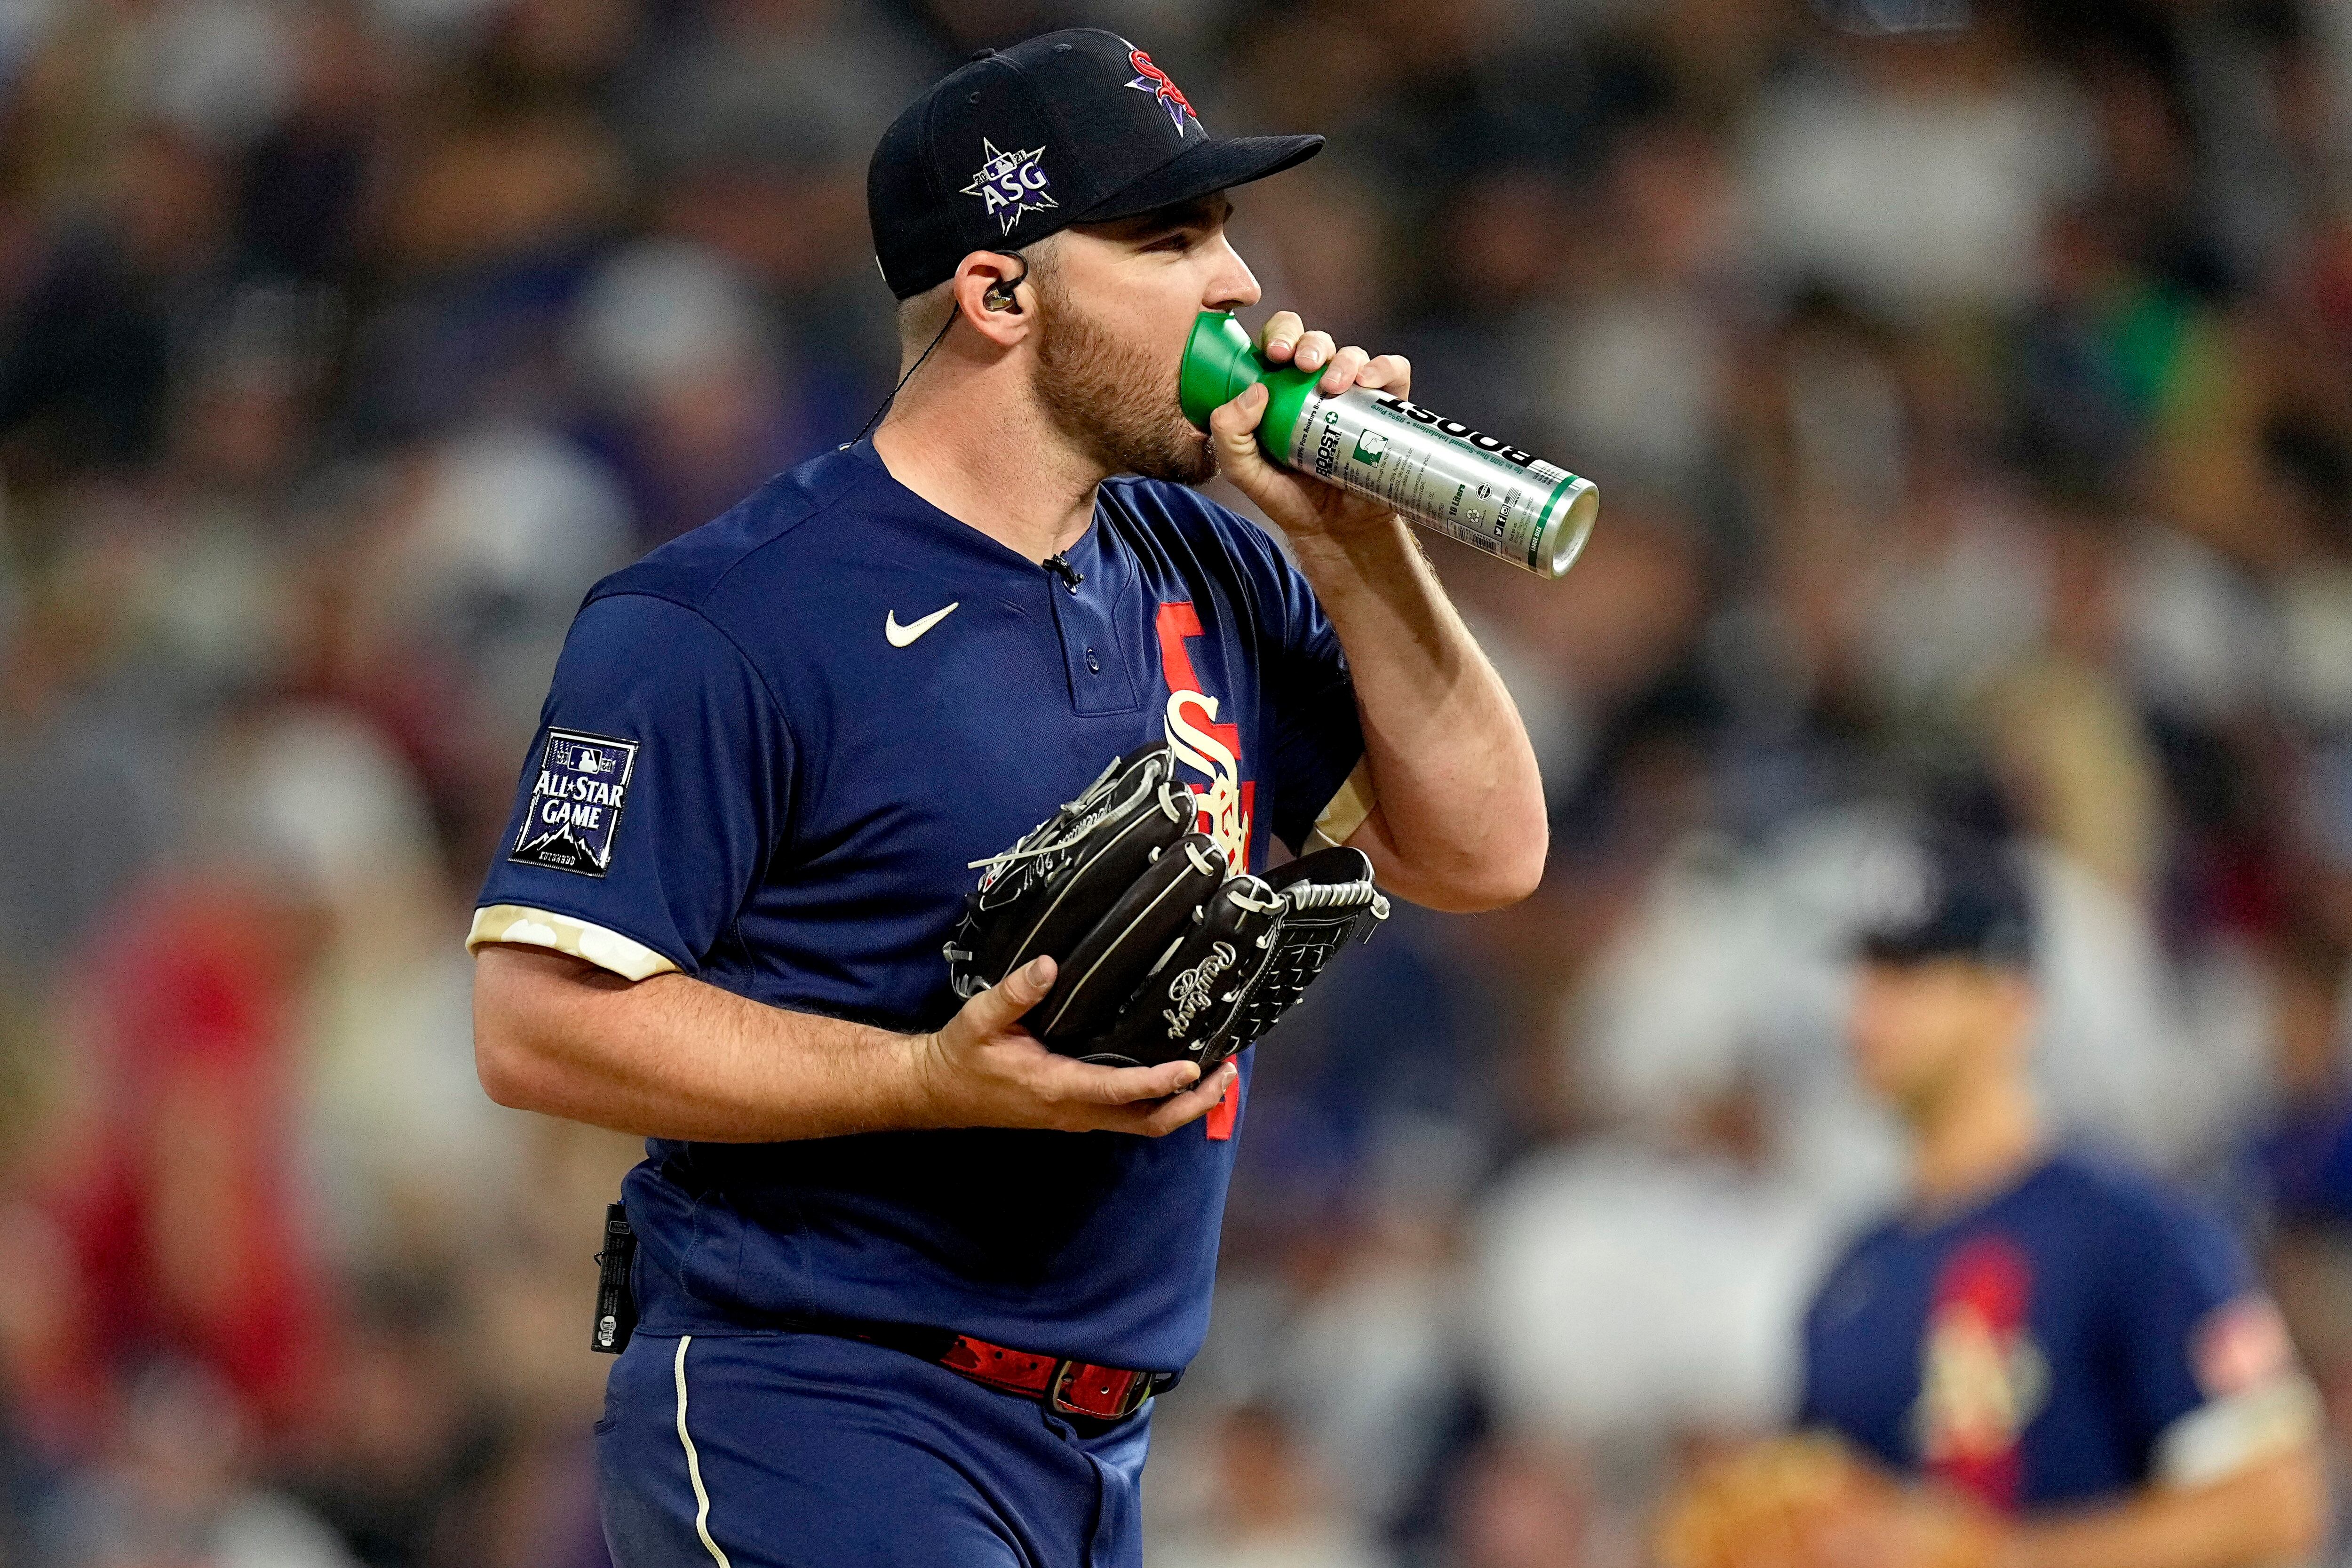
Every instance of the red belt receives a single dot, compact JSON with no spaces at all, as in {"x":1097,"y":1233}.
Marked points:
{"x":1069,"y":1387}
{"x":1066,"y":1388}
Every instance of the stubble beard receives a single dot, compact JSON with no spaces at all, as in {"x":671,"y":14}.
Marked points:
{"x":1111,"y":399}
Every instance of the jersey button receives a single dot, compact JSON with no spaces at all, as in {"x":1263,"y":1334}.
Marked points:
{"x":1094,"y":665}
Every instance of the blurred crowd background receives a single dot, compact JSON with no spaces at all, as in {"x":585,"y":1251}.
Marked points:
{"x":1971,"y":389}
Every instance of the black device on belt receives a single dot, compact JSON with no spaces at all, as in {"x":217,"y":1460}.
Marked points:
{"x":616,"y":1300}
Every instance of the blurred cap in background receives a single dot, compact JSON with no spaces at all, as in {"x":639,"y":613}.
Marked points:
{"x":1946,"y":893}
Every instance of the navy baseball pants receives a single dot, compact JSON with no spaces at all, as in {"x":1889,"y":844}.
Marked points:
{"x":796,"y":1450}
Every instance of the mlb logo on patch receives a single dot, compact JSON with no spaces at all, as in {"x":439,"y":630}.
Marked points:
{"x":576,"y":803}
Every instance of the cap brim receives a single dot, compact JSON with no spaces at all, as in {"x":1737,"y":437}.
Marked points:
{"x":1904,"y":950}
{"x":1206,"y":166}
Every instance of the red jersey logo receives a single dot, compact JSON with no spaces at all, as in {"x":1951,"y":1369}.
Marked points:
{"x":1214,"y":751}
{"x":1982,"y":1380}
{"x":1209,"y":749}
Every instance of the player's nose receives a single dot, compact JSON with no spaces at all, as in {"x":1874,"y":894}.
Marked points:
{"x":1232,"y":286}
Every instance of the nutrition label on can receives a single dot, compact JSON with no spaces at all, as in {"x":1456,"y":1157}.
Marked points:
{"x":1437,"y":471}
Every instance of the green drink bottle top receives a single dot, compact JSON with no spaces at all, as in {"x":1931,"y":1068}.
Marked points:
{"x":1220,"y":364}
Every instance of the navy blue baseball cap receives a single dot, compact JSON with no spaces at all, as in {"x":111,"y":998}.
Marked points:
{"x":1946,"y":894}
{"x":1078,"y":126}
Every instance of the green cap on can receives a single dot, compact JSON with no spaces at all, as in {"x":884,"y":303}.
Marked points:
{"x":1220,"y":364}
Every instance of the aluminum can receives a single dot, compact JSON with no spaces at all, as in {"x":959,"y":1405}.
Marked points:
{"x":1436,"y":472}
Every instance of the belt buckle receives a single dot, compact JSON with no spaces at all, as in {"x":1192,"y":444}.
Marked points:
{"x":1138,"y":1389}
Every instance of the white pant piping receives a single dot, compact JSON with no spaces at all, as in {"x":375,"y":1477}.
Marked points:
{"x":693,"y":1462}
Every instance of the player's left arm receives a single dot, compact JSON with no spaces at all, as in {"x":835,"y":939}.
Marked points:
{"x":1457,"y":817}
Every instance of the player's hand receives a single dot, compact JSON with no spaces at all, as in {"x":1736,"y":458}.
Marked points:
{"x":1295,"y":503}
{"x":984,"y":1070}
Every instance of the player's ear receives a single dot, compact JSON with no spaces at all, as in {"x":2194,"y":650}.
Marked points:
{"x":993,"y":294}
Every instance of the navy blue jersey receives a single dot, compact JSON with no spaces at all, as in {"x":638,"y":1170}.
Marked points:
{"x":771,"y":751}
{"x":2054,"y":1344}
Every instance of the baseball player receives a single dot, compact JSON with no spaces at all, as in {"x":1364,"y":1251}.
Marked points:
{"x":2079,"y":1355}
{"x":907,"y":1281}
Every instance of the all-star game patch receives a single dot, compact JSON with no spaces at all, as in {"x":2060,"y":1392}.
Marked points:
{"x":575,"y":804}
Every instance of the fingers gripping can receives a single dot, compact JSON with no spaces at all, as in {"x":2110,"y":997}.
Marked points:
{"x":1438,"y":472}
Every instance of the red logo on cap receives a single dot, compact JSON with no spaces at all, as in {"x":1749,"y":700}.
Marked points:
{"x":1155,"y":81}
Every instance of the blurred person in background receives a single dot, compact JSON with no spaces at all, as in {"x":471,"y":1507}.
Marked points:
{"x":1523,"y":1502}
{"x":1268,"y":1505}
{"x":176,"y":1487}
{"x":2078,"y":1356}
{"x":172,"y":1180}
{"x":690,"y":406}
{"x":2300,"y":1154}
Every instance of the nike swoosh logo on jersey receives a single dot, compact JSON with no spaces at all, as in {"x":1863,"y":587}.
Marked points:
{"x":901,"y":635}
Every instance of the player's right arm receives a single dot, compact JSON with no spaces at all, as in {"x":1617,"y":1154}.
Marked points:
{"x":2270,"y":1512}
{"x":656,"y":797}
{"x":672,"y":1057}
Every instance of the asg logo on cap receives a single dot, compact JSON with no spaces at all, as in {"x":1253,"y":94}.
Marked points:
{"x":1155,"y":81}
{"x":1011,"y":184}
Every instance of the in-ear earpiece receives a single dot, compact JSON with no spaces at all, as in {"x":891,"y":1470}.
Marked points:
{"x":999,"y":296}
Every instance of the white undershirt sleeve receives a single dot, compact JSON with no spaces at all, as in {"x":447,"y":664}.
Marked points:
{"x":1345,"y":812}
{"x":625,"y":956}
{"x":2224,"y":1435}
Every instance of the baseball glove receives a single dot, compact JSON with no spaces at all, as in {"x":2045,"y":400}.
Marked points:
{"x":1164,"y":952}
{"x":1769,"y":1506}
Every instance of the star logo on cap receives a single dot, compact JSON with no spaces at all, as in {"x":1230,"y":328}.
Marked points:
{"x":1011,"y":184}
{"x":1896,"y":886}
{"x":1155,"y":81}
